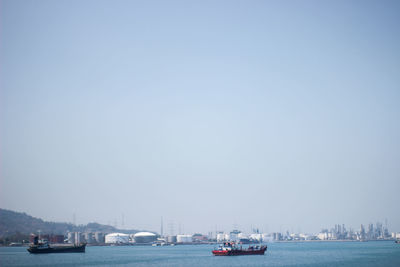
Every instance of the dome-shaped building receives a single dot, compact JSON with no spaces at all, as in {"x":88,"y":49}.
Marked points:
{"x":117,"y":238}
{"x":145,"y":237}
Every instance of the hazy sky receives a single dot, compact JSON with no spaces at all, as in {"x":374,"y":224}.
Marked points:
{"x":272,"y":114}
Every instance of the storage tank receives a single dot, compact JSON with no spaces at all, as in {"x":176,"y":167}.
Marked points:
{"x":256,"y":237}
{"x":89,"y":238}
{"x":117,"y":238}
{"x":267,"y":238}
{"x":184,"y":239}
{"x":220,"y":237}
{"x":171,"y":239}
{"x":227,"y":237}
{"x":145,"y":237}
{"x":78,"y":237}
{"x":99,"y":237}
{"x":234,"y":235}
{"x":71,"y":237}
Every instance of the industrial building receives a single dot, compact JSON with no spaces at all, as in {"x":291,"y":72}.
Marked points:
{"x":184,"y":238}
{"x":117,"y":238}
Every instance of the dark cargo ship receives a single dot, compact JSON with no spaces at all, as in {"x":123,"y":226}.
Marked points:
{"x":43,"y":247}
{"x":232,"y":249}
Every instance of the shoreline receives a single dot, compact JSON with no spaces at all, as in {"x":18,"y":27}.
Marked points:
{"x":215,"y":243}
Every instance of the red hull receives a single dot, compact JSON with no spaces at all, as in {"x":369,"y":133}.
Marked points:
{"x":238,"y":252}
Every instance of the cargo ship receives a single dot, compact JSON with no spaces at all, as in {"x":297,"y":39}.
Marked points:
{"x":232,"y":249}
{"x":43,"y":246}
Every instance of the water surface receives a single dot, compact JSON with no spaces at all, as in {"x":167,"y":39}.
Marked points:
{"x":379,"y":253}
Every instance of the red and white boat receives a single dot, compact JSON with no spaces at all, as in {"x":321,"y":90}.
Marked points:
{"x":232,"y":249}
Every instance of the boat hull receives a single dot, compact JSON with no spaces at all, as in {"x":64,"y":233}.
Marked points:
{"x":55,"y":249}
{"x":238,"y":252}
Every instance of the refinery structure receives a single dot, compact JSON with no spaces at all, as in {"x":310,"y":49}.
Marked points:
{"x":337,"y":233}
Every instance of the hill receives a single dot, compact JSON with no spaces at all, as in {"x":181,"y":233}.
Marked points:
{"x":12,"y":223}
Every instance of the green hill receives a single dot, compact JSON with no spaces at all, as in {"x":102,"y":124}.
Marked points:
{"x":13,"y":223}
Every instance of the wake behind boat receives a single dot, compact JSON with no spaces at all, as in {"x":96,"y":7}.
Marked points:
{"x":43,"y":246}
{"x":232,"y":249}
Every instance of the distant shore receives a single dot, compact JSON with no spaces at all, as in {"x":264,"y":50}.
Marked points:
{"x":211,"y":243}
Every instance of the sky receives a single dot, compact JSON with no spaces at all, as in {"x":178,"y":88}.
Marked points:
{"x":277,"y":115}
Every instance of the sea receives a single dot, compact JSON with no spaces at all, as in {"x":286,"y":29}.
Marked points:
{"x":373,"y":253}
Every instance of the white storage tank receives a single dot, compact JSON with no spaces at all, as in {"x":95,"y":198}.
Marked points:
{"x":256,"y":237}
{"x":145,"y":237}
{"x":234,"y":236}
{"x":267,"y":238}
{"x":117,"y":238}
{"x":220,"y":237}
{"x":171,"y":239}
{"x":184,"y":239}
{"x":71,"y":237}
{"x":241,"y":235}
{"x":78,"y":237}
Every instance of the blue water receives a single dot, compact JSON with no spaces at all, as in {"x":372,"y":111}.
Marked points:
{"x":380,"y":253}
